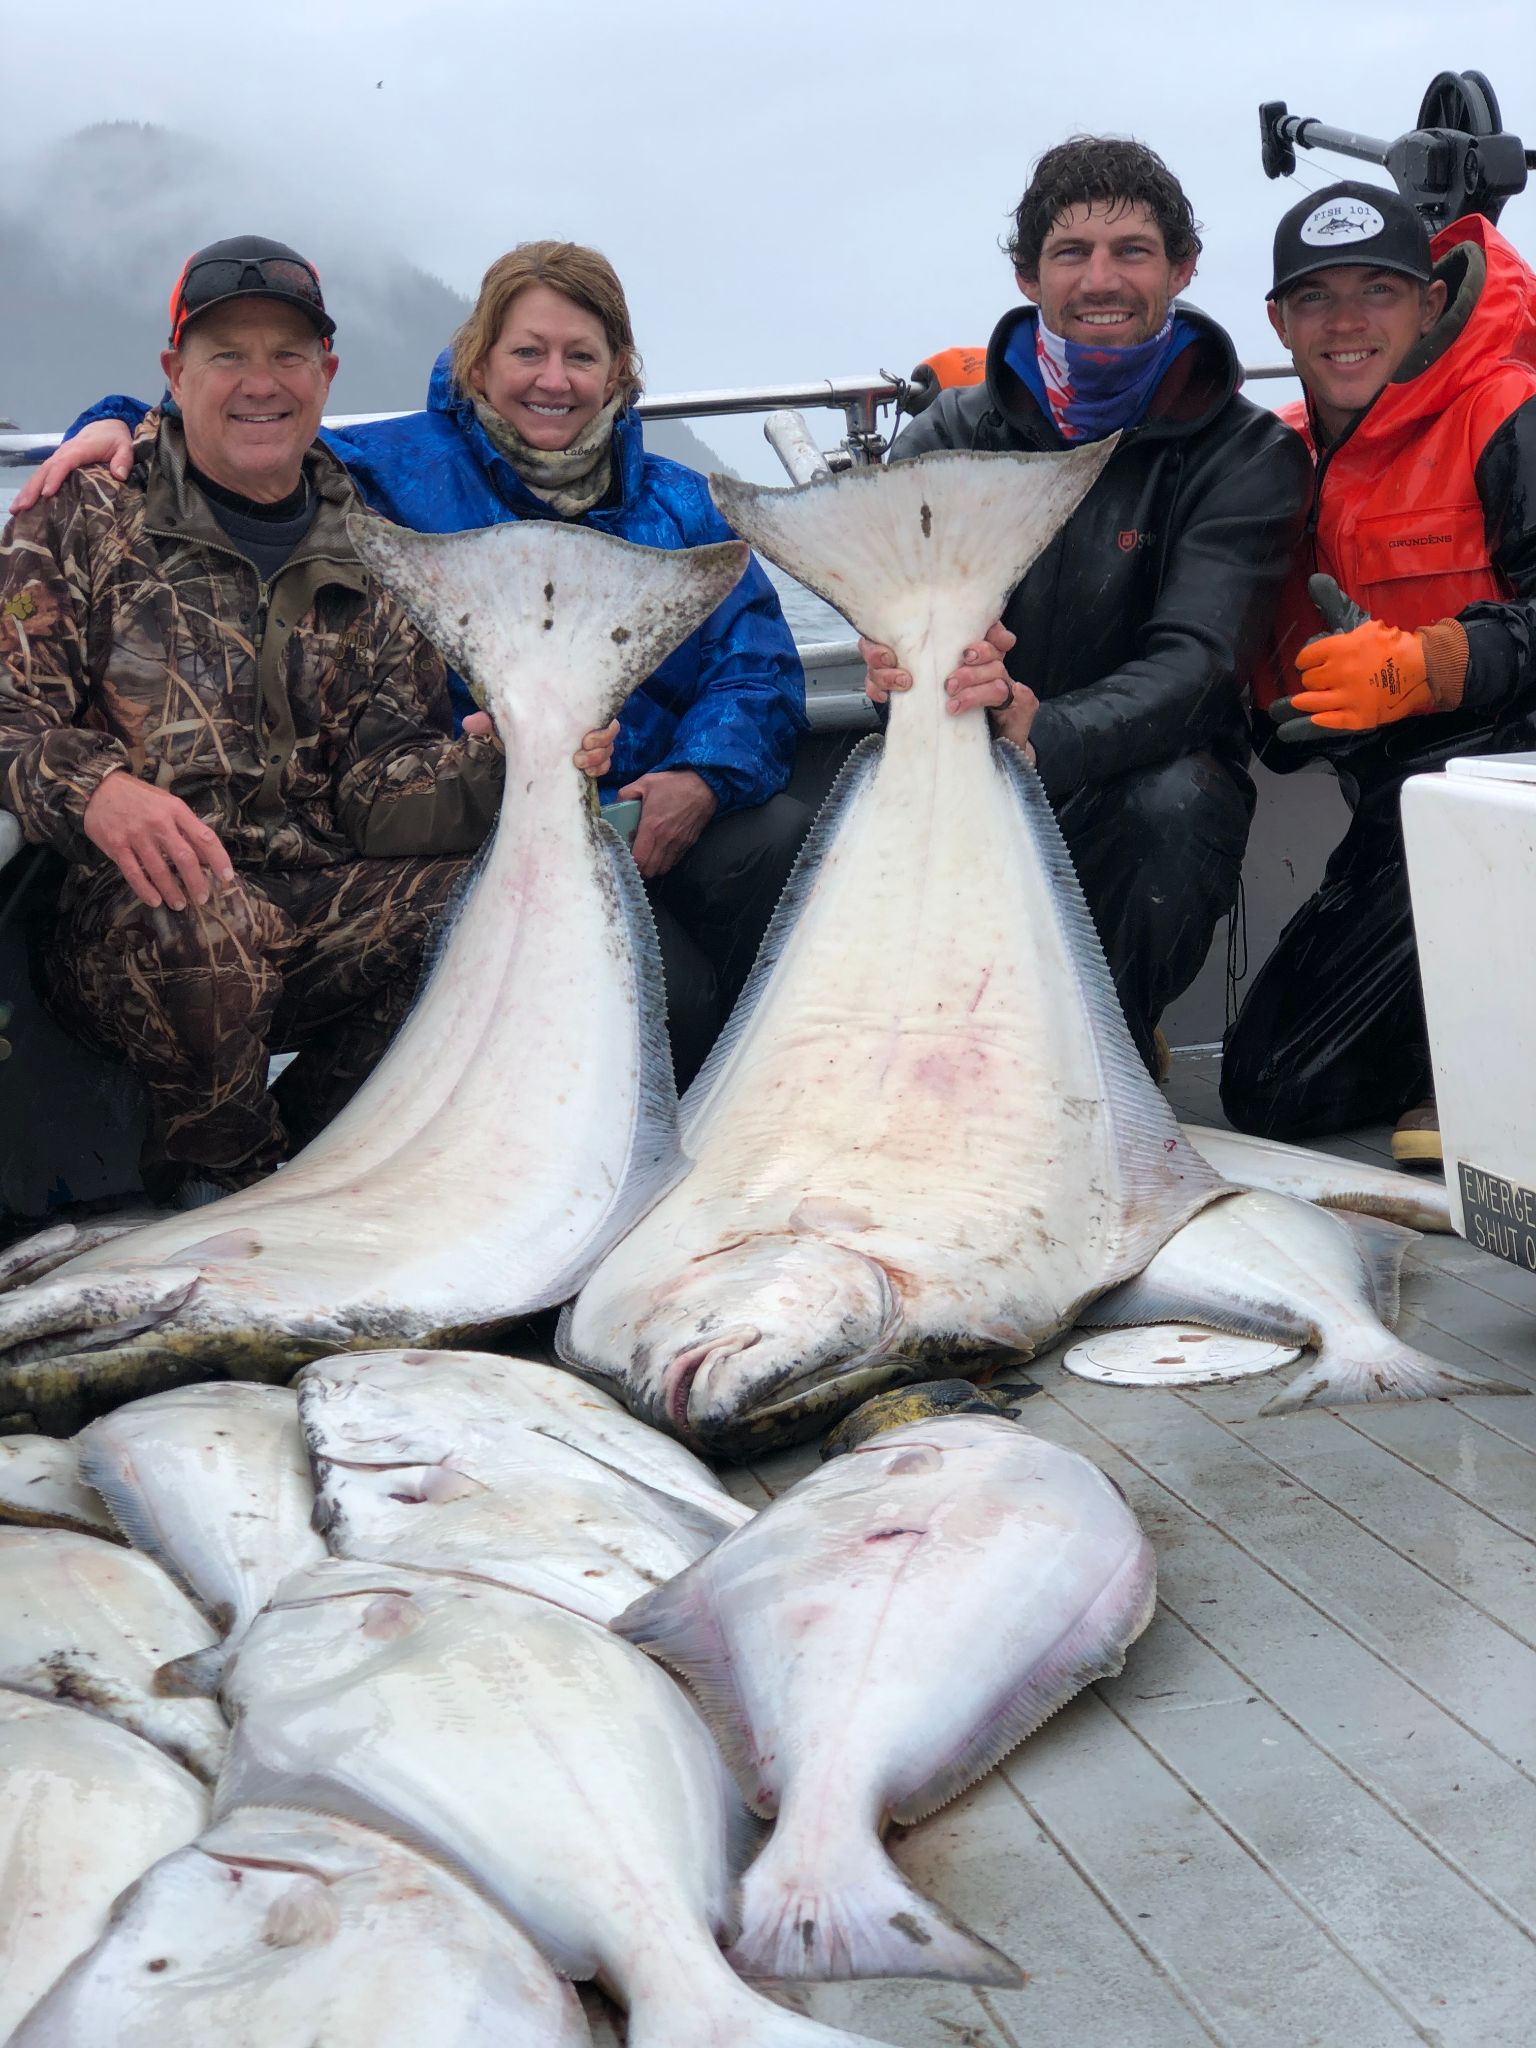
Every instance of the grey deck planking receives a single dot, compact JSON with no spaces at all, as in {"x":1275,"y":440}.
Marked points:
{"x":1357,"y":1577}
{"x":1451,"y":1538}
{"x":1465,"y":1807}
{"x":1161,"y":1856}
{"x":1317,"y":1775}
{"x":1311,"y":1829}
{"x":1472,"y":1806}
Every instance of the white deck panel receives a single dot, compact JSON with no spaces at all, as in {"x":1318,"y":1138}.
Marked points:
{"x":1305,"y":1814}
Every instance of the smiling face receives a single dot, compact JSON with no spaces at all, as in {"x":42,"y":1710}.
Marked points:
{"x":1349,"y":329}
{"x":251,"y":379}
{"x":1104,"y":278}
{"x":551,"y":369}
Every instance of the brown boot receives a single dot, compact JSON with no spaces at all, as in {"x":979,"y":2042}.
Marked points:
{"x":1416,"y":1139}
{"x":1162,"y":1052}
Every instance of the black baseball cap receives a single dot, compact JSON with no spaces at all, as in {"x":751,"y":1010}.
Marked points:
{"x":1350,"y":223}
{"x":248,"y":267}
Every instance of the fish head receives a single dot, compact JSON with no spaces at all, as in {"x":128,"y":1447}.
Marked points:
{"x":378,"y":1416}
{"x":761,"y":1332}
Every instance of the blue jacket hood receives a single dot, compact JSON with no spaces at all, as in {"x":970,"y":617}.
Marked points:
{"x":442,"y":393}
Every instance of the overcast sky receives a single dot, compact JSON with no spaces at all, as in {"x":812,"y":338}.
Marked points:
{"x":808,"y":189}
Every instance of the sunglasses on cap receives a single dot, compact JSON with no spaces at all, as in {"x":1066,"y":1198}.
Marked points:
{"x":214,"y":279}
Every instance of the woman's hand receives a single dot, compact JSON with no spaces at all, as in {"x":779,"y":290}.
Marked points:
{"x":593,"y":757}
{"x":107,"y":441}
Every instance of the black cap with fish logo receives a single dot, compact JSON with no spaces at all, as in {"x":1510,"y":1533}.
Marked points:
{"x":1350,"y":223}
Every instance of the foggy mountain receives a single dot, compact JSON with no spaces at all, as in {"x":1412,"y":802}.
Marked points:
{"x":94,"y":231}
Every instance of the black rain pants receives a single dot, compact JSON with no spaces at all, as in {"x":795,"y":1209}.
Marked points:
{"x":1331,"y":1031}
{"x":1159,"y":852}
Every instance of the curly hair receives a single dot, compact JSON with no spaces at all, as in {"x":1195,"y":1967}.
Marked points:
{"x":577,"y":273}
{"x":1102,"y":168}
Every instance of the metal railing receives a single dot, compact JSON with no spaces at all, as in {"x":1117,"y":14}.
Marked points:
{"x":860,"y":400}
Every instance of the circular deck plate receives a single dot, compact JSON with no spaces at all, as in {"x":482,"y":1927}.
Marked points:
{"x":1173,"y":1355}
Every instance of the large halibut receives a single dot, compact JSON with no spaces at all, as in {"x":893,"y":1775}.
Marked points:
{"x":925,"y":1134}
{"x":212,"y":1482}
{"x":873,"y":1642}
{"x":524,"y":1116}
{"x":93,"y":1626}
{"x":503,"y":1469}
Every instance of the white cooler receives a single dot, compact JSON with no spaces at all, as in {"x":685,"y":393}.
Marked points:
{"x":1471,"y":840}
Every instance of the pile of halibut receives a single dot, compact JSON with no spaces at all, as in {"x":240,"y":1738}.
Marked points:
{"x":381,"y":1708}
{"x":367,"y":1734}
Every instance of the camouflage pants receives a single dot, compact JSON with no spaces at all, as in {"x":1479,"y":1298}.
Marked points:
{"x":323,"y":962}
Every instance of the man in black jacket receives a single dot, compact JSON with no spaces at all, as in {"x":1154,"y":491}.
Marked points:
{"x":1129,"y":644}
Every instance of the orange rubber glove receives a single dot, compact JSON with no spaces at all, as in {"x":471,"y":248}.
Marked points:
{"x":1371,"y":674}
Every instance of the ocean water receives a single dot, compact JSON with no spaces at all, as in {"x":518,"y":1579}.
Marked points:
{"x":804,"y":612}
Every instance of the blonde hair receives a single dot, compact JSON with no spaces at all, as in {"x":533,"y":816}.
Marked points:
{"x":582,"y":275}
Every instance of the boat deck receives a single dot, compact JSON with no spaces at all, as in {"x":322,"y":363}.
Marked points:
{"x":1305,"y":1814}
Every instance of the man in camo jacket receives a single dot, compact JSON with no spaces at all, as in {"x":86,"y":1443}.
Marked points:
{"x":240,"y":747}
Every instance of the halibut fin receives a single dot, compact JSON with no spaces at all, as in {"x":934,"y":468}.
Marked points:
{"x":854,"y":778}
{"x":725,"y":2013}
{"x":198,"y":1675}
{"x":1161,"y":1168}
{"x":840,"y":1910}
{"x":1382,"y":1247}
{"x":100,"y":1470}
{"x":1391,"y":1371}
{"x":928,"y":546}
{"x":656,"y":1159}
{"x":1093,"y":1648}
{"x":1138,"y":1303}
{"x":676,"y":1626}
{"x":454,"y":586}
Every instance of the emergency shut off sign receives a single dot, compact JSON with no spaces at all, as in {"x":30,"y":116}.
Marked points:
{"x":1499,"y":1216}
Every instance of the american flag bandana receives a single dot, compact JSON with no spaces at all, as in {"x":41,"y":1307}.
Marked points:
{"x":1094,"y":392}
